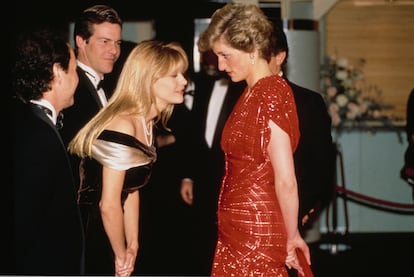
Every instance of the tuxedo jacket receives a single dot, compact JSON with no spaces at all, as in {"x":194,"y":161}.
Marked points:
{"x":208,"y":168}
{"x":47,"y":224}
{"x":86,"y":105}
{"x":315,"y":155}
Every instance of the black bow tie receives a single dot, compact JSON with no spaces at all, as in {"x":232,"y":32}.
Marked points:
{"x":100,"y":85}
{"x":189,"y":92}
{"x":59,"y":119}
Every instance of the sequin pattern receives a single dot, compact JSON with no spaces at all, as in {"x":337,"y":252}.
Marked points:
{"x":252,"y":237}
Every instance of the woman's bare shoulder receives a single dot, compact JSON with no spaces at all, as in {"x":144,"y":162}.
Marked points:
{"x":124,"y":124}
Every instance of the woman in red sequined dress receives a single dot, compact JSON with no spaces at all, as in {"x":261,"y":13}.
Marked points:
{"x":258,"y":204}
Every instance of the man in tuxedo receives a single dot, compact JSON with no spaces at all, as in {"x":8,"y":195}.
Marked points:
{"x":97,"y":37}
{"x":48,"y":235}
{"x":214,"y":96}
{"x":315,"y":155}
{"x":165,"y":218}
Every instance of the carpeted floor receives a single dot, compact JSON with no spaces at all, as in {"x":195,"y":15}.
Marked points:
{"x":364,"y":254}
{"x":351,"y":255}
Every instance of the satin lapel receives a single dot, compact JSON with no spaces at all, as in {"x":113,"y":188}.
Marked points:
{"x":87,"y":82}
{"x":42,"y":115}
{"x":232,"y":95}
{"x":203,"y":91}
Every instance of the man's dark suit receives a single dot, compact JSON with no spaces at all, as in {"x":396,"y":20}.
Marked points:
{"x":164,"y":217}
{"x":208,"y":166}
{"x":48,"y":227}
{"x":315,"y":156}
{"x":86,"y":105}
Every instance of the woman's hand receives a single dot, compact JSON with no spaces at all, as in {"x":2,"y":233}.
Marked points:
{"x":125,"y":266}
{"x":292,"y":259}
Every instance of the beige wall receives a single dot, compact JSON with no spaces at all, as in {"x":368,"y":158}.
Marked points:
{"x":381,"y":33}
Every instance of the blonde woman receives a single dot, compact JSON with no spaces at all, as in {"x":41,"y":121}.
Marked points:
{"x":258,"y":204}
{"x":118,"y":146}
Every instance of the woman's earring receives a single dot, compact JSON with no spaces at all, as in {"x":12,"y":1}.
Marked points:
{"x":252,"y":58}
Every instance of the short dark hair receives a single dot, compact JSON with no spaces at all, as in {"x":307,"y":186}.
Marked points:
{"x":279,"y":44}
{"x":94,"y":15}
{"x":36,"y":53}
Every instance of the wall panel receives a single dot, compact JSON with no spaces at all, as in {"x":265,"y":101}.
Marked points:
{"x":383,"y":34}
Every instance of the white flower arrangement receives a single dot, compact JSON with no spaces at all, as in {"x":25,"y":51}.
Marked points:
{"x":347,"y":96}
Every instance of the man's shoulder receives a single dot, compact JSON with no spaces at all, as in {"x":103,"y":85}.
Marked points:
{"x":298,"y":89}
{"x":84,"y":90}
{"x":237,"y":86}
{"x":303,"y":94}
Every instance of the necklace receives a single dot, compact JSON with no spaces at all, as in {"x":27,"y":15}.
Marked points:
{"x":147,"y":131}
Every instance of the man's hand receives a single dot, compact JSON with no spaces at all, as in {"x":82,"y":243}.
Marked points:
{"x":187,"y":190}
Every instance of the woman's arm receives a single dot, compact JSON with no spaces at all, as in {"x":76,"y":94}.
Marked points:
{"x":131,"y":224}
{"x":112,"y":213}
{"x":281,"y":157}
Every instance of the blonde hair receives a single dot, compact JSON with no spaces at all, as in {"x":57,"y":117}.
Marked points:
{"x":244,"y":27}
{"x":147,"y":62}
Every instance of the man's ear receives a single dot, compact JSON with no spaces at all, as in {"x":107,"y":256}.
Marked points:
{"x":280,"y":58}
{"x":79,"y":41}
{"x":57,"y":72}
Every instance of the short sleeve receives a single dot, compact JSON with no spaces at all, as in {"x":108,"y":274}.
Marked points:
{"x":278,"y":104}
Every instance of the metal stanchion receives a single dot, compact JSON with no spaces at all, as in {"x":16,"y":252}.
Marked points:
{"x":333,"y":245}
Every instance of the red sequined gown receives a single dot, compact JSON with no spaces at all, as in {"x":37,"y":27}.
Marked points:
{"x":252,"y":236}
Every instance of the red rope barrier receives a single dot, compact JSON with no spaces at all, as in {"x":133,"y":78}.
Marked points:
{"x":375,"y":200}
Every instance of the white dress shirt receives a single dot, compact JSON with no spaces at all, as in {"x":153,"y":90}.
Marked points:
{"x":93,"y":76}
{"x":214,"y":108}
{"x":45,"y":103}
